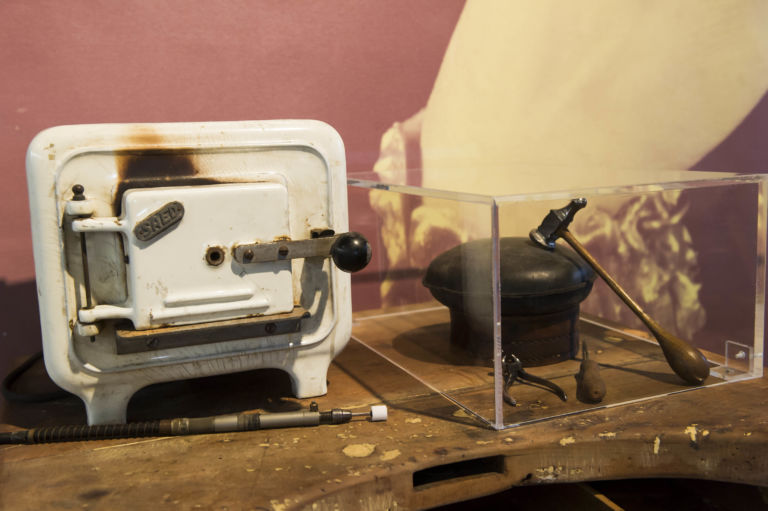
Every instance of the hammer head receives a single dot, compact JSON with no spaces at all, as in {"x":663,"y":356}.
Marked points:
{"x":556,"y":221}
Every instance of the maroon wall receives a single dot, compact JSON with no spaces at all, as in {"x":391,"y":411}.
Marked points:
{"x":360,"y":66}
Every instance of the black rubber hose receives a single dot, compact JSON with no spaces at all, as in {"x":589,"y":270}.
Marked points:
{"x":79,"y":433}
{"x":10,"y":379}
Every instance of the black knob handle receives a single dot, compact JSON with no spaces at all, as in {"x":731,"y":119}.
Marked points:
{"x":351,"y":252}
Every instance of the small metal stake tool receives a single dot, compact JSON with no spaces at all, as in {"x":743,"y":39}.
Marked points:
{"x":685,"y":360}
{"x":513,"y":371}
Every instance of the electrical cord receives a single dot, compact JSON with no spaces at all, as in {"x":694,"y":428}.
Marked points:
{"x":11,"y":377}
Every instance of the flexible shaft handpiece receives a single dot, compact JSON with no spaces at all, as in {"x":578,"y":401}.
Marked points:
{"x":195,"y":426}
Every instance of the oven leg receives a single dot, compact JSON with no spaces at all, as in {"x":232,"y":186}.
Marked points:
{"x":108,"y":405}
{"x":308,"y":375}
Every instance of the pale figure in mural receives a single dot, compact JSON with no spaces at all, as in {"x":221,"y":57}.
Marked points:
{"x":535,"y":92}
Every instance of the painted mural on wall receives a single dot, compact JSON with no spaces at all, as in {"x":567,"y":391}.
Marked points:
{"x":540,"y":92}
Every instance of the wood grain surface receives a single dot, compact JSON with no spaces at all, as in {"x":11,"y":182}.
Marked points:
{"x":429,"y":452}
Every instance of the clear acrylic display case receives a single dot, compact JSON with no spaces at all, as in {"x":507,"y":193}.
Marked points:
{"x":688,"y":246}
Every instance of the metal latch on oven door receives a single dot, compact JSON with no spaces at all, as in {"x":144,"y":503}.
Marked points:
{"x":350,"y":251}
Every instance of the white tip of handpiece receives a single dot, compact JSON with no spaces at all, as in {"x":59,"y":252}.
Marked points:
{"x":378,"y":413}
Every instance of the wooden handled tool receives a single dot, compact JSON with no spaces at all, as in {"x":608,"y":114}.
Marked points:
{"x":685,"y":360}
{"x":590,"y":386}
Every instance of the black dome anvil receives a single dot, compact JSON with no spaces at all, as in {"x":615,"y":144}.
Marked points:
{"x":540,"y":295}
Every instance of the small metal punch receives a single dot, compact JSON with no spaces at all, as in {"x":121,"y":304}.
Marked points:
{"x":512,"y":369}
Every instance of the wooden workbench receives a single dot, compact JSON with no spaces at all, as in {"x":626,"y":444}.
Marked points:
{"x":428,"y":453}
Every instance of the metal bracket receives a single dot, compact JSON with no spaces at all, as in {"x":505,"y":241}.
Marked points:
{"x":318,"y":246}
{"x":137,"y":341}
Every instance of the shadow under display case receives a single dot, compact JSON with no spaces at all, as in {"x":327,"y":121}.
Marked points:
{"x":477,"y":309}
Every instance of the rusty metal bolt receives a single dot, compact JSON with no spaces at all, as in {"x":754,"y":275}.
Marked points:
{"x":283,"y":251}
{"x":248,"y":255}
{"x":214,"y":256}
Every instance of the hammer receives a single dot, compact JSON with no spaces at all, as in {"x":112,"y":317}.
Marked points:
{"x":685,"y":360}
